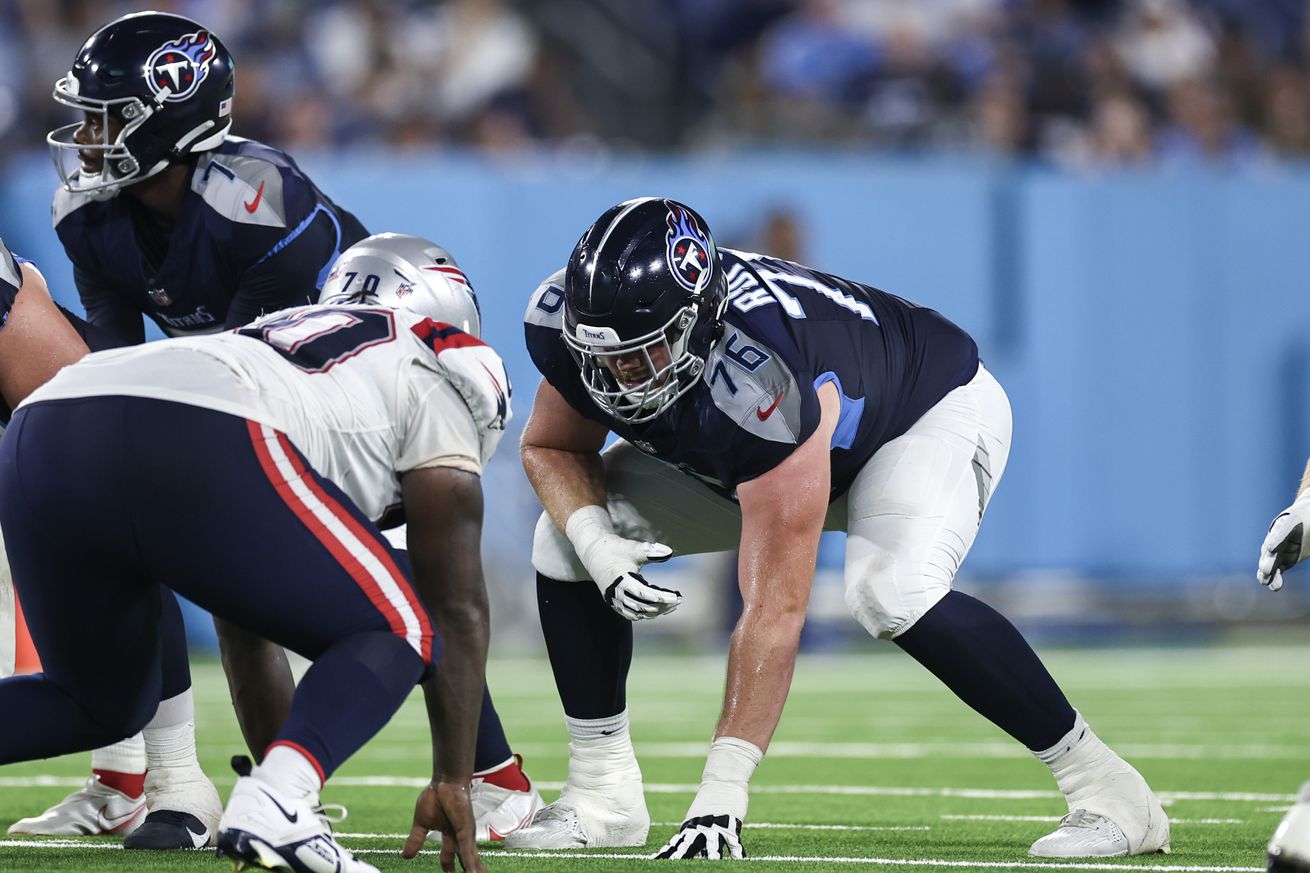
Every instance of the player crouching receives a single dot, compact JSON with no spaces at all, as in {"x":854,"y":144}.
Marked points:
{"x":296,"y":433}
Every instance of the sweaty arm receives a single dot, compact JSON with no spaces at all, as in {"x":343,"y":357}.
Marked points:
{"x":444,"y":508}
{"x":782,"y":517}
{"x":36,"y":341}
{"x":561,"y":456}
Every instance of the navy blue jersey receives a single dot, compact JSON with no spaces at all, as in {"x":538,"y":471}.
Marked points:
{"x":787,"y":331}
{"x":253,"y":235}
{"x":11,"y":279}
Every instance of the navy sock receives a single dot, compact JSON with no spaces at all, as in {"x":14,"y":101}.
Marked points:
{"x":590,"y":647}
{"x":984,"y":659}
{"x":348,"y":694}
{"x":493,"y":748}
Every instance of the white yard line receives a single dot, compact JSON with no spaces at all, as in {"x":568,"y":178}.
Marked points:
{"x":915,"y":751}
{"x":758,"y":859}
{"x":1055,"y":818}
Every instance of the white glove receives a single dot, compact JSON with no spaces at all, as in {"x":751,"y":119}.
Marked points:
{"x":705,"y":837}
{"x":613,"y":563}
{"x":1286,"y":544}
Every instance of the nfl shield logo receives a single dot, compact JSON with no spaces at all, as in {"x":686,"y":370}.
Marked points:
{"x":160,"y":297}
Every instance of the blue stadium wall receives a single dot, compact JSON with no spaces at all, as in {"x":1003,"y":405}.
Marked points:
{"x":1151,"y":328}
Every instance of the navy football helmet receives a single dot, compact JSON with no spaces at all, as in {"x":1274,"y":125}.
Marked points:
{"x":164,"y":80}
{"x":643,"y":302}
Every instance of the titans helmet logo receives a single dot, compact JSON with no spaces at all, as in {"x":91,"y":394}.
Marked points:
{"x":689,"y":248}
{"x":177,"y":68}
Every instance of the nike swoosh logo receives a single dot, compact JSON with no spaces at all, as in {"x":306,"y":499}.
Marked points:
{"x":292,"y":817}
{"x":113,"y":822}
{"x":765,"y":413}
{"x":254,"y":204}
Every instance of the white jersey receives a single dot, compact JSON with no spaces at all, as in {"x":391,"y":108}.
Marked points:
{"x":365,"y":393}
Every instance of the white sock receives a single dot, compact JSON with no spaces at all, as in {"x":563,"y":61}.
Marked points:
{"x":1082,"y":764}
{"x":124,"y":756}
{"x":600,"y":752}
{"x":170,"y":737}
{"x":289,"y":771}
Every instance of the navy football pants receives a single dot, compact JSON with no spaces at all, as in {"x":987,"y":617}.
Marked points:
{"x":104,"y":499}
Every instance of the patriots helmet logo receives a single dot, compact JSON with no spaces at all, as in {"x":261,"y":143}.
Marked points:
{"x":176,"y":69}
{"x":689,"y":248}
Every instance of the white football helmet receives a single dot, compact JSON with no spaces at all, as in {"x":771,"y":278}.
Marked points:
{"x":404,"y":272}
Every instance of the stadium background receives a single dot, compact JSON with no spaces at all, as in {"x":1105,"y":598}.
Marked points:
{"x":1111,"y":196}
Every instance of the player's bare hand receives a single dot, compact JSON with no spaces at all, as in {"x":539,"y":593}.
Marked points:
{"x":444,"y":806}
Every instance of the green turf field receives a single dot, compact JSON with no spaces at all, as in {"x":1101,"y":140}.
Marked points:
{"x":875,"y":765}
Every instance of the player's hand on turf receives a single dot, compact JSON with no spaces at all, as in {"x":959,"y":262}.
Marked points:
{"x":444,"y":806}
{"x":717,"y":837}
{"x":632,"y":597}
{"x":1286,"y":544}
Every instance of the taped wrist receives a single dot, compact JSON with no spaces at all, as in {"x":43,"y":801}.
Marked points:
{"x":725,"y":782}
{"x":587,"y":529}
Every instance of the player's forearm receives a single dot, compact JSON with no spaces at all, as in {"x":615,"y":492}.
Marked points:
{"x":776,"y":572}
{"x":564,"y":481}
{"x":454,"y":692}
{"x":760,"y":666}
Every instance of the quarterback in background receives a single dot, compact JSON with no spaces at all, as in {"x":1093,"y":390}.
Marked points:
{"x":345,"y":411}
{"x":758,"y":402}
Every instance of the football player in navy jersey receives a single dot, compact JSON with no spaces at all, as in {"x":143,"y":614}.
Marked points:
{"x":760,"y":402}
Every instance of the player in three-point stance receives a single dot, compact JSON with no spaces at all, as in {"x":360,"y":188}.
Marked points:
{"x":1285,"y":546}
{"x":297,"y":432}
{"x":760,"y":402}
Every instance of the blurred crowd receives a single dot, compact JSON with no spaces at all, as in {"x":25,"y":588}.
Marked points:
{"x":1071,"y":82}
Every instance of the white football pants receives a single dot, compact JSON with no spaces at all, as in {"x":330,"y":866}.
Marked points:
{"x":910,"y":516}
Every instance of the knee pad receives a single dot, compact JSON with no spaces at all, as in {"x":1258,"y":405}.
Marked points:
{"x":553,"y":555}
{"x":883,"y":598}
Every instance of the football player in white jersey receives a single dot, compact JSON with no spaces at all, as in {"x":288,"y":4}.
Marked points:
{"x":290,"y":437}
{"x":1285,"y":546}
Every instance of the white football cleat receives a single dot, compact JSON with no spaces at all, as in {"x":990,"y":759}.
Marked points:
{"x":1289,"y":848}
{"x":184,"y":810}
{"x":1126,"y":820}
{"x":93,"y":809}
{"x":616,"y":816}
{"x":262,"y":827}
{"x":503,"y":799}
{"x":555,"y":826}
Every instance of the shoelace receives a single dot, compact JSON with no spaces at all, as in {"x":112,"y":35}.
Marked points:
{"x":331,"y":813}
{"x":1080,"y":818}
